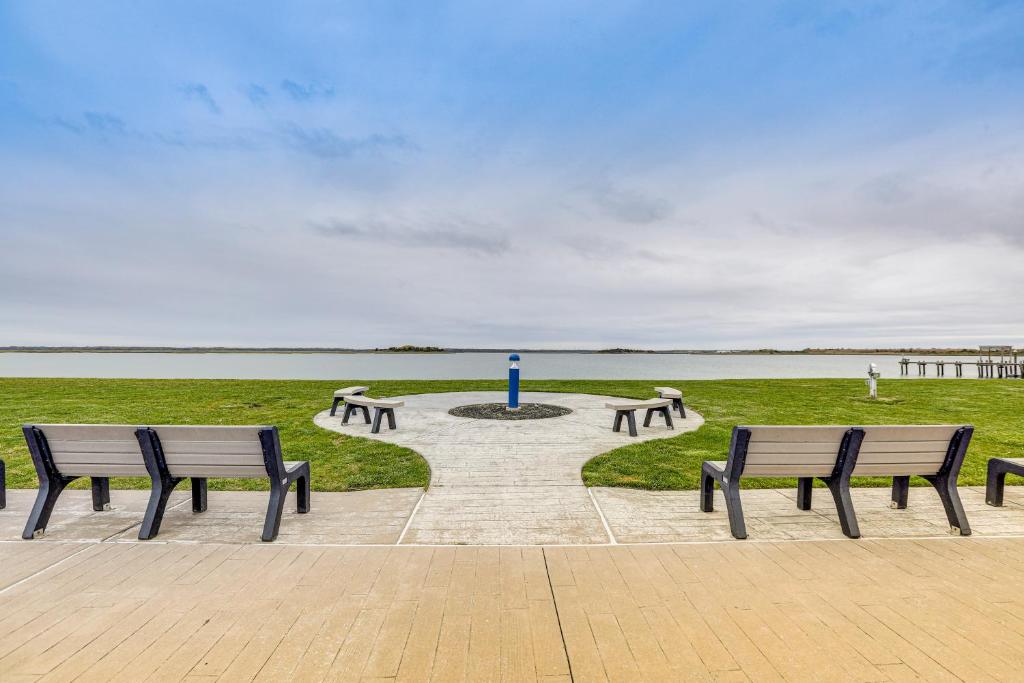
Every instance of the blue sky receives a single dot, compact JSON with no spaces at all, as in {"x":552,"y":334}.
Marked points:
{"x":666,"y":175}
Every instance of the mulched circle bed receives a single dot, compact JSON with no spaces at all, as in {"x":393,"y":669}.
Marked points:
{"x":496,"y":411}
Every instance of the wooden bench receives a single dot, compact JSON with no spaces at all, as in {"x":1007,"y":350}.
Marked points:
{"x":341,"y":394}
{"x":627,"y":409}
{"x":998,"y":468}
{"x":381,"y":407}
{"x":932,"y":452}
{"x":805,"y":452}
{"x":174,"y":453}
{"x":675,"y":396}
{"x":62,"y":453}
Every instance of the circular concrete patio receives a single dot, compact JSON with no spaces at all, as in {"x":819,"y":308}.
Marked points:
{"x":506,"y":482}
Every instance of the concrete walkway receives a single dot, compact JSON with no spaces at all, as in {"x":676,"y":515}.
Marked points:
{"x":507,"y":482}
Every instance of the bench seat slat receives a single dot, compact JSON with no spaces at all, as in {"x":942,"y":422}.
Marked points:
{"x":895,"y":470}
{"x":240,"y":448}
{"x":226,"y":471}
{"x":103,"y":470}
{"x":172,"y":433}
{"x":936,"y":457}
{"x":782,"y":459}
{"x":797,"y":434}
{"x":65,"y":432}
{"x":789,"y":470}
{"x":875,"y":433}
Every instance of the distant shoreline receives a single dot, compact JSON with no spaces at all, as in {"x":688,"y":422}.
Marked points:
{"x":436,"y":350}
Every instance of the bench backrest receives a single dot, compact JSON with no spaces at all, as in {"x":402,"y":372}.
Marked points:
{"x":787,"y":451}
{"x":892,"y":450}
{"x":86,"y":450}
{"x":235,"y":452}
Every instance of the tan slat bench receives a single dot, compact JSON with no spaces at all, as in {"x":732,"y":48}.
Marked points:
{"x":675,"y":396}
{"x":804,"y":452}
{"x":249,"y":452}
{"x":627,"y":409}
{"x":341,"y":394}
{"x":933,"y":452}
{"x":62,"y":453}
{"x":381,"y":407}
{"x":998,"y":468}
{"x":167,"y":456}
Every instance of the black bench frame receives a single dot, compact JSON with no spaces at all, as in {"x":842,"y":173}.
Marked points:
{"x":163,"y":483}
{"x":3,"y":485}
{"x":998,"y":468}
{"x":630,"y":415}
{"x":944,"y":482}
{"x":52,"y":483}
{"x":728,"y":479}
{"x":351,"y":408}
{"x":340,"y":399}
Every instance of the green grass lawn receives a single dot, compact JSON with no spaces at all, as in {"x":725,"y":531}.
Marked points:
{"x":343,"y":463}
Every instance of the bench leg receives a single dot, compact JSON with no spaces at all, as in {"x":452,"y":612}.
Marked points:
{"x":950,"y":497}
{"x":390,"y":412}
{"x":377,"y":415}
{"x":3,"y":485}
{"x":735,"y":509}
{"x":647,"y":417}
{"x":995,"y":484}
{"x":707,"y":492}
{"x":275,"y":509}
{"x":347,"y":413}
{"x":668,"y":417}
{"x":804,"y":489}
{"x":366,"y":414}
{"x":198,"y":494}
{"x":302,"y":491}
{"x":631,"y":421}
{"x":840,"y":489}
{"x":617,"y":425}
{"x":46,"y":498}
{"x":900,"y":492}
{"x":160,"y":491}
{"x":100,"y":493}
{"x":677,"y":403}
{"x":334,"y":405}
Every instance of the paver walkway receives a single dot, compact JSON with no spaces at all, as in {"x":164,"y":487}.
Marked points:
{"x":507,"y":482}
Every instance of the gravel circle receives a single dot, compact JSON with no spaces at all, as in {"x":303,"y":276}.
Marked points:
{"x":497,"y":411}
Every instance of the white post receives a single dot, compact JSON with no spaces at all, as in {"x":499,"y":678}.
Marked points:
{"x":872,"y":380}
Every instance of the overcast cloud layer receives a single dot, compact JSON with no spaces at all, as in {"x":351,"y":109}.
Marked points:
{"x":601,"y":174}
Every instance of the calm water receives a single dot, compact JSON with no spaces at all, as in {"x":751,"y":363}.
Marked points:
{"x":441,"y":366}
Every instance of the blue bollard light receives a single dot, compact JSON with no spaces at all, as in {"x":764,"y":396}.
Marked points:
{"x":513,"y":383}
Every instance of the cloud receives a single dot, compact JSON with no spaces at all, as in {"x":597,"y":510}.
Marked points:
{"x":257,"y":94}
{"x":326,"y":144}
{"x":200,"y":93}
{"x":628,"y":206}
{"x":453,"y":234}
{"x":307,"y":92}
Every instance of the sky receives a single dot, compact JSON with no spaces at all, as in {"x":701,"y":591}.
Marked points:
{"x":657,"y":175}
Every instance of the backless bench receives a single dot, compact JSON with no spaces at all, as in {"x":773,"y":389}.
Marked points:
{"x":341,"y":394}
{"x":626,"y":408}
{"x":382,"y":407}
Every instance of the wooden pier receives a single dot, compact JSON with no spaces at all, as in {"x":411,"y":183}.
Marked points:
{"x":1009,"y":365}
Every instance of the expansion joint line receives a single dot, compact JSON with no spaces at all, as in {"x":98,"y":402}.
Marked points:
{"x":558,"y":614}
{"x":604,"y":521}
